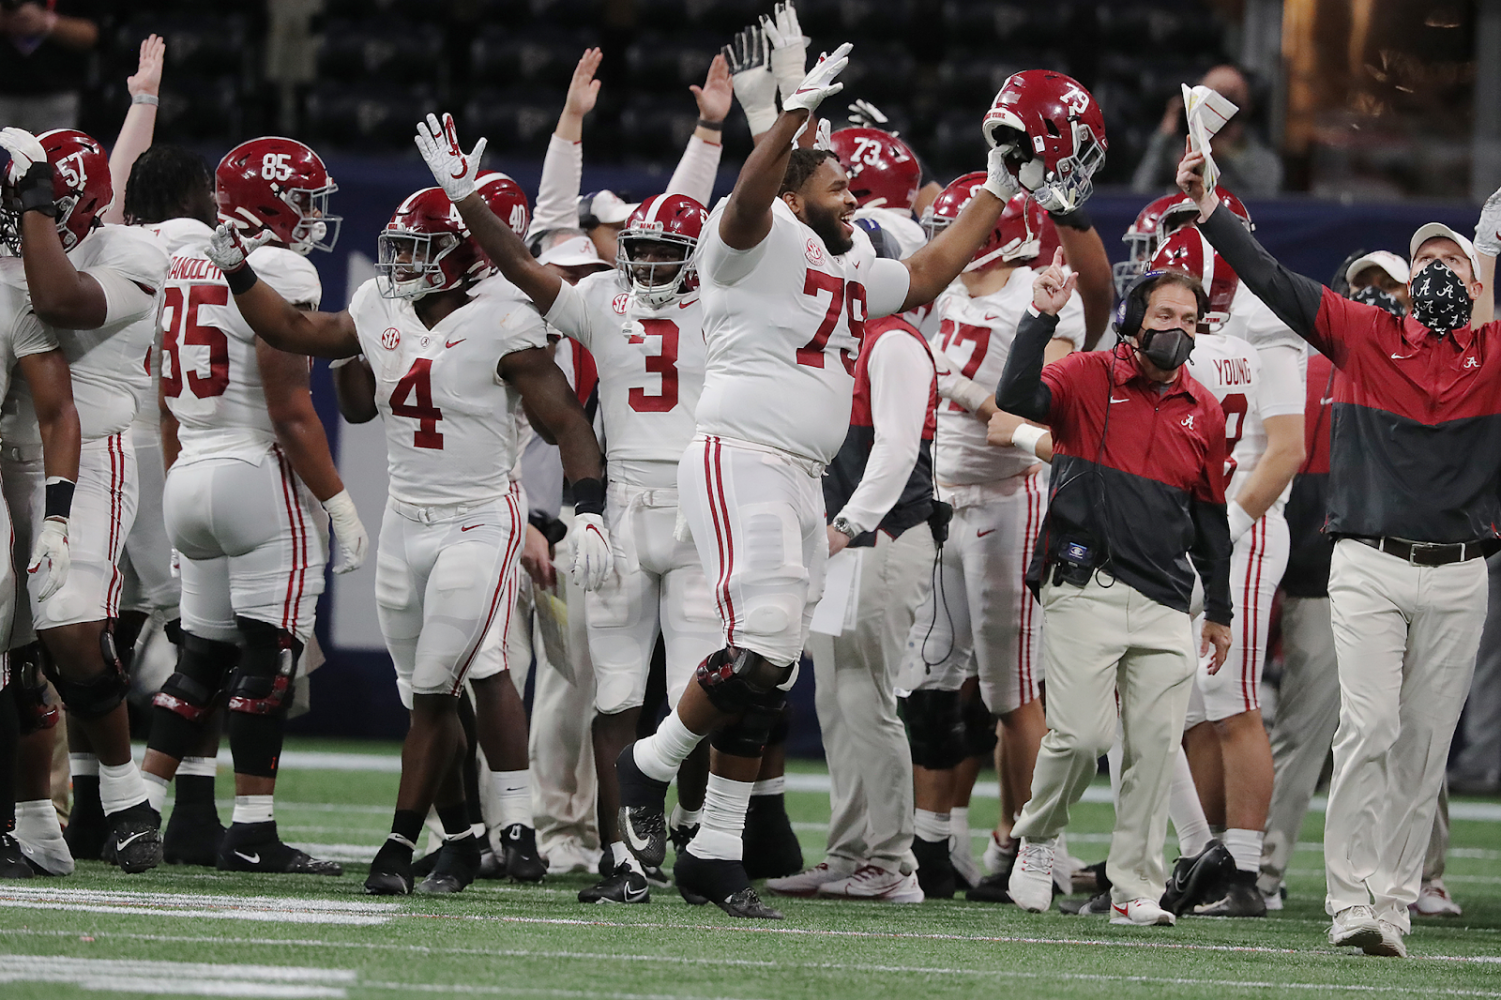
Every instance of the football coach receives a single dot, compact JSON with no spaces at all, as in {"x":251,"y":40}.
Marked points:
{"x":1136,"y":504}
{"x":1413,"y":506}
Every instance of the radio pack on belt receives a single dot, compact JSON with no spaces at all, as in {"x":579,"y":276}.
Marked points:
{"x":1075,"y":563}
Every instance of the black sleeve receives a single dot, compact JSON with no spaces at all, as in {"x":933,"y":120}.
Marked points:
{"x":1211,"y":557}
{"x":1021,"y":390}
{"x":1294,"y":298}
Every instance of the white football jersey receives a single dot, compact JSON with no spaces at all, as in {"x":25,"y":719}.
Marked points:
{"x":1282,"y":388}
{"x":782,"y":322}
{"x":450,"y":434}
{"x":975,"y":337}
{"x":21,"y":335}
{"x":651,"y":372}
{"x":1231,"y":369}
{"x":173,"y":235}
{"x":211,"y":379}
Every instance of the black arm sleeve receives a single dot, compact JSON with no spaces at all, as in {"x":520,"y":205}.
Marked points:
{"x":1294,"y":298}
{"x":1021,"y":390}
{"x":1211,"y":557}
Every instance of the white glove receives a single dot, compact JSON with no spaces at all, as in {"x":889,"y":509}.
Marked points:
{"x":789,"y":49}
{"x":228,"y":248}
{"x":453,"y":169}
{"x":591,"y":551}
{"x":354,"y":543}
{"x":823,"y":136}
{"x":819,"y":83}
{"x":867,"y":115}
{"x":24,"y":149}
{"x":998,"y":180}
{"x":1487,"y":230}
{"x":49,"y":556}
{"x":174,"y":568}
{"x":1240,"y":521}
{"x":750,"y":75}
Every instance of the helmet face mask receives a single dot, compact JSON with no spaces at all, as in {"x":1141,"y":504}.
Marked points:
{"x":280,"y":186}
{"x":1055,"y":134}
{"x":654,"y":250}
{"x":409,"y":264}
{"x":317,"y":228}
{"x":81,"y":189}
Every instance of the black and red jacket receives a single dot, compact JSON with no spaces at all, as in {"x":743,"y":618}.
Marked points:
{"x":1415,"y":451}
{"x":848,"y":468}
{"x":1138,"y":469}
{"x":1311,"y":550}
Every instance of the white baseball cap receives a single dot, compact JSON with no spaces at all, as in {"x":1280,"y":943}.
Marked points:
{"x":607,"y":207}
{"x":577,"y":251}
{"x":1384,"y":259}
{"x":1434,"y":230}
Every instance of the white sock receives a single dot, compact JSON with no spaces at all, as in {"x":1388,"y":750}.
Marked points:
{"x":959,"y":828}
{"x":156,"y":790}
{"x":661,"y":754}
{"x":687,"y":817}
{"x":120,"y":787}
{"x":770,"y":786}
{"x":477,"y":831}
{"x":931,"y":826}
{"x":36,"y":820}
{"x":83,"y":765}
{"x":1185,"y":809}
{"x":253,"y":809}
{"x":199,"y":767}
{"x":725,"y":804}
{"x":624,"y":858}
{"x":513,"y":794}
{"x":1245,"y":848}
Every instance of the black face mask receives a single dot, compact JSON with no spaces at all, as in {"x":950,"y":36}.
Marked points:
{"x":1167,"y":349}
{"x":1439,"y":299}
{"x":1372,"y":296}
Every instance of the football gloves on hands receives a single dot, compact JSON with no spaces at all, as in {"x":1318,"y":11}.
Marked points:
{"x":228,"y":248}
{"x":819,"y":84}
{"x":1488,"y":229}
{"x":751,"y":76}
{"x":864,"y":114}
{"x":24,"y":149}
{"x":354,"y":543}
{"x":591,"y":551}
{"x":453,"y":169}
{"x":789,"y":48}
{"x":49,"y":556}
{"x":998,"y":180}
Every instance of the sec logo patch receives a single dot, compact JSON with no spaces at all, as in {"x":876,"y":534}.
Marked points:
{"x":813,"y":251}
{"x":620,"y":302}
{"x":390,"y":337}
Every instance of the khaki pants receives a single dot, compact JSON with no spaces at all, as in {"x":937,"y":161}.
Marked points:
{"x":870,"y":763}
{"x":1406,"y":637}
{"x":1099,"y":642}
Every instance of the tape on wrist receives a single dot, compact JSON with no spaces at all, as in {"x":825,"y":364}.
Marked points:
{"x":589,"y":496}
{"x":145,"y":99}
{"x":59,"y":497}
{"x":35,"y":190}
{"x":242,"y":279}
{"x":1026,"y":437}
{"x":711,"y":126}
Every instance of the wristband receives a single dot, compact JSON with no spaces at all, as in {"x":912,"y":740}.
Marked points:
{"x":967,"y":393}
{"x":711,"y":126}
{"x":589,"y":496}
{"x":145,"y":99}
{"x":1077,"y":219}
{"x":1026,"y":437}
{"x":35,"y":190}
{"x":59,"y":497}
{"x":1240,"y":521}
{"x":242,"y":279}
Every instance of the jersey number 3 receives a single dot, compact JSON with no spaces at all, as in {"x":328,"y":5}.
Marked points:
{"x":182,"y":329}
{"x":664,"y":363}
{"x":417,"y":384}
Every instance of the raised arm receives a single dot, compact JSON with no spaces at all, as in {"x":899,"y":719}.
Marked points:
{"x":562,"y":168}
{"x":1086,"y":255}
{"x":273,"y":318}
{"x":696,"y":171}
{"x":1488,"y":243}
{"x":1021,"y":390}
{"x":140,"y":123}
{"x":938,"y":263}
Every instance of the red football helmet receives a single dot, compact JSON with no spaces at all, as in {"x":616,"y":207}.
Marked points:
{"x":1055,"y":136}
{"x":883,"y":172}
{"x":426,"y":248}
{"x":279,"y":185}
{"x":675,"y":220}
{"x":81,"y":187}
{"x":1188,"y":251}
{"x":1184,"y":211}
{"x":1017,"y":234}
{"x":506,"y":200}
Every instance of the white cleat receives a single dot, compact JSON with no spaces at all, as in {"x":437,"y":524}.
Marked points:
{"x":876,"y":883}
{"x":1434,"y":901}
{"x":1391,"y":945}
{"x":1355,"y":927}
{"x":567,"y":855}
{"x":963,"y":857}
{"x":1031,"y":882}
{"x":808,"y":883}
{"x":1141,"y":913}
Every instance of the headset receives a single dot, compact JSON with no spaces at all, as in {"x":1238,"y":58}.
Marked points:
{"x":1131,"y":310}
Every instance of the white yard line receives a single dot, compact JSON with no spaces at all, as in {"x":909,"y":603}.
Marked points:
{"x":176,"y":978}
{"x":272,"y":909}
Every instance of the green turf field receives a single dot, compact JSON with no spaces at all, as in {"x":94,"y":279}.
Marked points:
{"x":195,"y":932}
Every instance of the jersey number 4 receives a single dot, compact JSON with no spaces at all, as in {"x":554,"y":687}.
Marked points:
{"x":843,"y":297}
{"x":417,"y":384}
{"x":664,"y":363}
{"x":181,"y":328}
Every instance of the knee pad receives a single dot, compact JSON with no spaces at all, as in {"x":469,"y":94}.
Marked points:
{"x":262,"y":683}
{"x":34,"y":708}
{"x":979,"y":728}
{"x":935,"y":729}
{"x":99,"y":695}
{"x":188,"y":696}
{"x":736,"y":679}
{"x":747,"y":735}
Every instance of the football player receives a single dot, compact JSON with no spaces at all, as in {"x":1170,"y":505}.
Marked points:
{"x":450,"y":370}
{"x":249,"y":475}
{"x":97,"y":287}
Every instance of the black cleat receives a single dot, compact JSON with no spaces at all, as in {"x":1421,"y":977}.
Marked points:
{"x":771,"y":847}
{"x":657,"y":877}
{"x":724,"y":883}
{"x":625,"y":886}
{"x":1240,"y":898}
{"x":519,"y":855}
{"x":193,"y":836}
{"x":491,"y":865}
{"x":135,"y":835}
{"x":1196,"y":879}
{"x":423,"y":866}
{"x":935,"y":868}
{"x":458,"y":863}
{"x":12,"y":861}
{"x":87,"y":831}
{"x":990,"y":889}
{"x":1094,"y":906}
{"x":1092,"y":879}
{"x":255,"y":847}
{"x":643,"y":804}
{"x":390,"y":871}
{"x":682,"y":836}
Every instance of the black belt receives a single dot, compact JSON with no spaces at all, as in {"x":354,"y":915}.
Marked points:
{"x":1426,"y":553}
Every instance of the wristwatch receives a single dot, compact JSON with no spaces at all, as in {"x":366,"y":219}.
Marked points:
{"x":842,"y":525}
